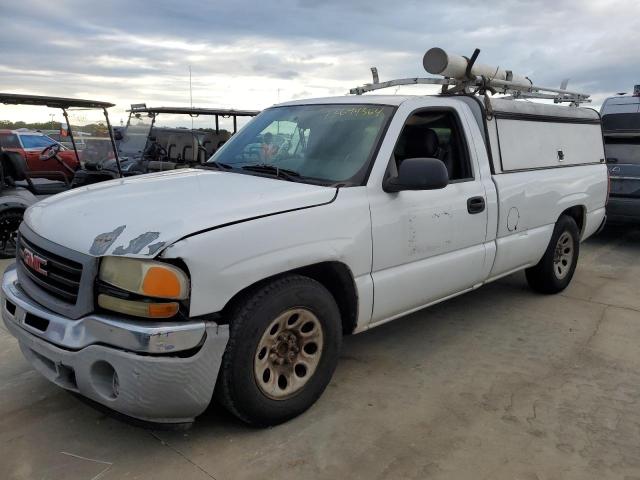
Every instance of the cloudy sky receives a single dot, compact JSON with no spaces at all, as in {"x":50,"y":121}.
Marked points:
{"x":254,"y":53}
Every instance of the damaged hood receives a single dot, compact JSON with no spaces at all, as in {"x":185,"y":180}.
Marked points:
{"x":139,"y":216}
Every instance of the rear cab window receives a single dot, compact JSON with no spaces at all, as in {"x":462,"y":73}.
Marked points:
{"x":621,"y":126}
{"x":622,"y":149}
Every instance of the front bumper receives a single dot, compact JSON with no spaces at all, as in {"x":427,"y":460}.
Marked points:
{"x":154,"y":371}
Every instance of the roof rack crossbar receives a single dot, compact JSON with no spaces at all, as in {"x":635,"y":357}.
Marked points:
{"x":370,"y":87}
{"x":458,"y":72}
{"x":479,"y":85}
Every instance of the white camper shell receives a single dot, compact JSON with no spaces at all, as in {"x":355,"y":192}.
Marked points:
{"x":572,"y":136}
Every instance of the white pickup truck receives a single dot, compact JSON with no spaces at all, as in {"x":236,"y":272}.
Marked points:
{"x":321,"y":218}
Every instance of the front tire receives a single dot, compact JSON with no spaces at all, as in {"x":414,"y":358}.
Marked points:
{"x":283,"y":348}
{"x":554,"y":271}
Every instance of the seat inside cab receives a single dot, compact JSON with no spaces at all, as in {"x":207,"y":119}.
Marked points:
{"x":433,"y":134}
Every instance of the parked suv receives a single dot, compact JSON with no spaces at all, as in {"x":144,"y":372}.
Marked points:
{"x":30,"y":144}
{"x":621,"y":126}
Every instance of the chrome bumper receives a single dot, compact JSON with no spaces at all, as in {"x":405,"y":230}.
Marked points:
{"x":137,"y":336}
{"x":128,"y":366}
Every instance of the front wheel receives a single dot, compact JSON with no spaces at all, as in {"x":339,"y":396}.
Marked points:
{"x":554,"y":272}
{"x":283,"y":348}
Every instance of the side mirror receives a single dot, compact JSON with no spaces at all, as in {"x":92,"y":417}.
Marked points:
{"x":418,"y":174}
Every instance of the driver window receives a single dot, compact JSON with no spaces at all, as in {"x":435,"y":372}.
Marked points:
{"x":431,"y":134}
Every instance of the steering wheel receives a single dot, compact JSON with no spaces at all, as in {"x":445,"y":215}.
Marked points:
{"x":50,"y":151}
{"x":162,"y":152}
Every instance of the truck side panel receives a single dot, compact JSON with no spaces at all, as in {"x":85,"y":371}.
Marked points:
{"x":247,"y":252}
{"x":532,"y":201}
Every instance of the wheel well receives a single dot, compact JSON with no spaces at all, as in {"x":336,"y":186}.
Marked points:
{"x":334,"y":276}
{"x":578,"y":213}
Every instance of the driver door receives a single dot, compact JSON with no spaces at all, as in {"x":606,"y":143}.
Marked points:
{"x":428,"y":244}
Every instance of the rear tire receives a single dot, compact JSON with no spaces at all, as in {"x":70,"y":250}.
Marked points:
{"x":9,"y":222}
{"x":283,"y":348}
{"x":554,"y":271}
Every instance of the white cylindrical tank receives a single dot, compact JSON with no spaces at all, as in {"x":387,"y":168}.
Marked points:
{"x":438,"y":62}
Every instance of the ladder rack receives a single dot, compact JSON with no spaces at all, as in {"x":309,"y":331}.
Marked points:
{"x":468,"y":82}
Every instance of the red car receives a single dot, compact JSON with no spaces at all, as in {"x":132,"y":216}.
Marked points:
{"x":31,"y":144}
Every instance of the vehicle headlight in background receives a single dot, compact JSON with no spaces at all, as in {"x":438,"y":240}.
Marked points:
{"x":147,"y":278}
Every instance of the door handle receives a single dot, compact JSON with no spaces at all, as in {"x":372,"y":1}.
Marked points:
{"x":475,"y":205}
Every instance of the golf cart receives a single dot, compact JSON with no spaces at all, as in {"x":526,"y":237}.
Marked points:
{"x":33,"y":169}
{"x":156,"y":139}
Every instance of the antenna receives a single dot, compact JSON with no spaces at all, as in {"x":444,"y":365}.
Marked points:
{"x":190,"y":89}
{"x":190,"y":95}
{"x":466,"y":76}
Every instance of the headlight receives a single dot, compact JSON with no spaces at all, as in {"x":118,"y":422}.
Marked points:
{"x":147,"y":278}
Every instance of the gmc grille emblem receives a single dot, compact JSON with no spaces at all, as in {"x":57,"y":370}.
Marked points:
{"x":34,"y":262}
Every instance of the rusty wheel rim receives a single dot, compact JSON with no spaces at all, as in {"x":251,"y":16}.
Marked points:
{"x":288,"y":353}
{"x":563,"y":256}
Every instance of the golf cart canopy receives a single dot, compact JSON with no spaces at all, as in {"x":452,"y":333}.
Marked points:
{"x":52,"y":102}
{"x":103,"y":146}
{"x":142,"y":108}
{"x":194,"y":112}
{"x":174,"y":137}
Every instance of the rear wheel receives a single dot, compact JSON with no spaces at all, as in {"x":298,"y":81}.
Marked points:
{"x":9,"y":222}
{"x":556,"y":268}
{"x":283,"y":348}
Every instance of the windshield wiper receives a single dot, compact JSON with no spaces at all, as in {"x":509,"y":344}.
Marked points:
{"x":219,"y":165}
{"x":283,"y":173}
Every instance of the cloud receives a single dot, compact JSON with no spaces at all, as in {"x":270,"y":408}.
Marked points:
{"x":251,"y":54}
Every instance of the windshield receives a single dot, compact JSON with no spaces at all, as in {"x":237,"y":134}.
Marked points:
{"x":326,"y":143}
{"x":90,"y":133}
{"x":622,"y":149}
{"x":35,"y":141}
{"x":134,"y":137}
{"x":621,"y":122}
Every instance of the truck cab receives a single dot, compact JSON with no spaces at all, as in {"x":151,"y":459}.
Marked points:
{"x":239,"y":279}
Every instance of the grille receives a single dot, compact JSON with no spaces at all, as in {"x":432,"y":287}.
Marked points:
{"x":58,"y":276}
